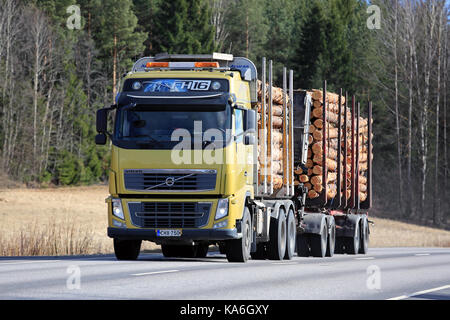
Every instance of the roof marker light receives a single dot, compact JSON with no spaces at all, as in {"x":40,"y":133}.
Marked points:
{"x":207,"y":65}
{"x":157,"y":65}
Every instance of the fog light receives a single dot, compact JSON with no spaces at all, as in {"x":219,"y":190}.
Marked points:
{"x":118,"y":224}
{"x":221,"y":224}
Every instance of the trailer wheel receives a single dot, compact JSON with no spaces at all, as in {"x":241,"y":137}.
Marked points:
{"x":291,"y":235}
{"x":364,"y":244}
{"x":127,"y":249}
{"x":319,"y":243}
{"x":331,"y":243}
{"x":238,"y":250}
{"x":352,"y":243}
{"x":302,"y":245}
{"x":277,"y":244}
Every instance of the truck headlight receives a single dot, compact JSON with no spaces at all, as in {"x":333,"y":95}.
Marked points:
{"x":222,"y":209}
{"x":117,"y":209}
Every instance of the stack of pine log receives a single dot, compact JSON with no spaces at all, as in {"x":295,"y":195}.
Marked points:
{"x":312,"y":178}
{"x":276,"y":166}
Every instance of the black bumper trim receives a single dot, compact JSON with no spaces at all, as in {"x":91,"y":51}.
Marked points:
{"x":187,"y":234}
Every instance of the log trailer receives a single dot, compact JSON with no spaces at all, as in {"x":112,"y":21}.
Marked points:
{"x":191,"y":164}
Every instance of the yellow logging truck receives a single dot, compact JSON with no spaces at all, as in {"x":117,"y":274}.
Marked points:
{"x":191,"y":165}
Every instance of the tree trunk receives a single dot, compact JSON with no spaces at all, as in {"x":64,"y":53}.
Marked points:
{"x":114,"y":68}
{"x":397,"y":115}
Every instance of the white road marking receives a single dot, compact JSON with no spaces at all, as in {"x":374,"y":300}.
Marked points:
{"x":399,"y":298}
{"x":28,"y":262}
{"x":418,"y":293}
{"x":421,"y":254}
{"x":365,"y":258}
{"x":284,"y":263}
{"x":155,"y":272}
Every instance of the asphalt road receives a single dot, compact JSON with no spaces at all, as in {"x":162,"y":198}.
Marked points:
{"x":384,"y":273}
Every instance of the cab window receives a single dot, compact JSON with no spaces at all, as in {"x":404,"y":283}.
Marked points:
{"x":239,"y":124}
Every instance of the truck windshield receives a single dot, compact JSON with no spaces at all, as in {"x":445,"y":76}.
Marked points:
{"x":151,"y":128}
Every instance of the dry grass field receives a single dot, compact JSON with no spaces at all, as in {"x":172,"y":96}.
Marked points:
{"x":72,"y":220}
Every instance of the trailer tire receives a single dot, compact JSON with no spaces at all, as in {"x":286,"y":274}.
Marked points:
{"x":303,"y":245}
{"x":331,"y":242}
{"x":290,"y":235}
{"x":364,"y":244}
{"x":127,"y":249}
{"x":319,"y":243}
{"x":238,"y":250}
{"x":277,"y":244}
{"x":352,"y":243}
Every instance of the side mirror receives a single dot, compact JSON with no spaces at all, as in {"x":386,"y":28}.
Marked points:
{"x":249,"y":140}
{"x":250,"y":121}
{"x":100,"y":139}
{"x":102,"y":120}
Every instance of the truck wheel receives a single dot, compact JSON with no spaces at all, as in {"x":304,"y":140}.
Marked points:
{"x":169,"y":251}
{"x":364,"y":243}
{"x":302,"y":245}
{"x":331,"y":243}
{"x":319,"y":243}
{"x":202,"y":250}
{"x":291,"y":235}
{"x":352,"y":243}
{"x":260,"y":253}
{"x":127,"y":249}
{"x":239,"y":250}
{"x":222,"y":248}
{"x":277,"y":233}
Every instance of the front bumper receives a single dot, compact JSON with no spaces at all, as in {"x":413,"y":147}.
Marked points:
{"x":187,"y":234}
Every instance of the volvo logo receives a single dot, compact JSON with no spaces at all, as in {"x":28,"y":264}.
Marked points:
{"x":170,"y":181}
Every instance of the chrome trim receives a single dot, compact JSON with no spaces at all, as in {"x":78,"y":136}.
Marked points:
{"x":165,"y":182}
{"x":175,"y":97}
{"x":189,"y":172}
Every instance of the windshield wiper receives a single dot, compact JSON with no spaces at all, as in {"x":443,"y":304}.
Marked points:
{"x":140,"y":142}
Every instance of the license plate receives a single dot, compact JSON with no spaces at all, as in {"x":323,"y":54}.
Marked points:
{"x":168,"y":233}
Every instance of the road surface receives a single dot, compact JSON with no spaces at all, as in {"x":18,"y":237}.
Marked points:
{"x":384,"y":273}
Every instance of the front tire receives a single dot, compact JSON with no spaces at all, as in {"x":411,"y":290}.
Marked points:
{"x":238,"y":250}
{"x":127,"y":249}
{"x":202,"y":250}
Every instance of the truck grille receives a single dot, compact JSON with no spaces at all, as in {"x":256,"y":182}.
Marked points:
{"x":170,"y":180}
{"x":169,"y":214}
